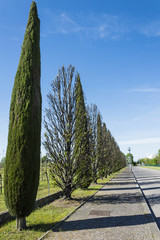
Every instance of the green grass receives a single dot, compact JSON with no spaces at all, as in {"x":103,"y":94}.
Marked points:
{"x":42,"y":191}
{"x":42,"y":219}
{"x":2,"y":203}
{"x":79,"y":193}
{"x":152,"y":167}
{"x":43,"y":188}
{"x":37,"y":223}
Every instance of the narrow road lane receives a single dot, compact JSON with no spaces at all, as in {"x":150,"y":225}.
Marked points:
{"x":149,"y":181}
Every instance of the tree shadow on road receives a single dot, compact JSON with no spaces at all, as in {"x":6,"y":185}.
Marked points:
{"x":105,"y":222}
{"x":147,"y":178}
{"x":153,"y":199}
{"x":147,"y":183}
{"x":129,"y":198}
{"x":121,"y":183}
{"x":117,"y":189}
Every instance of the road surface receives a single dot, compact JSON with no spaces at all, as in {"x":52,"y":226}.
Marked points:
{"x":149,"y":181}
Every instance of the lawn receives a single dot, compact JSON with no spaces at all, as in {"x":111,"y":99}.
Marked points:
{"x":42,"y":219}
{"x":152,"y":167}
{"x":37,"y":223}
{"x":42,"y":191}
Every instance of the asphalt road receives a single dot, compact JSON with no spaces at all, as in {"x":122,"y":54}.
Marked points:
{"x":149,"y":181}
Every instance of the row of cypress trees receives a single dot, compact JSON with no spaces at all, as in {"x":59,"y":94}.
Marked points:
{"x":106,"y":156}
{"x":79,"y":147}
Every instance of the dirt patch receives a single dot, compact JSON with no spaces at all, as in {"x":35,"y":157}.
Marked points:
{"x":66,"y":203}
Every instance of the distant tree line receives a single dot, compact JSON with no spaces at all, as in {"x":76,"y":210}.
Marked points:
{"x":79,"y":146}
{"x":148,"y":161}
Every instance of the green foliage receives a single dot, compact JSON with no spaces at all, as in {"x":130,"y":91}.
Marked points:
{"x":82,"y":151}
{"x":3,"y":162}
{"x":21,"y":174}
{"x":106,"y":157}
{"x":92,"y":126}
{"x":147,"y":161}
{"x":44,"y":159}
{"x":114,"y":159}
{"x":129,"y":157}
{"x":105,"y":145}
{"x":100,"y":156}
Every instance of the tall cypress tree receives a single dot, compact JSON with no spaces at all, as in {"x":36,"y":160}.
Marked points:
{"x":21,"y":174}
{"x":100,"y":147}
{"x":110,"y":152}
{"x":105,"y":149}
{"x":82,"y":150}
{"x":92,"y":121}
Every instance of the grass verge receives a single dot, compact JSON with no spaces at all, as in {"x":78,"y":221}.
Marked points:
{"x":42,"y":219}
{"x":152,"y":167}
{"x":42,"y":192}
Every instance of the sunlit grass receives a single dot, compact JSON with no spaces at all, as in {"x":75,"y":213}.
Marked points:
{"x":42,"y":191}
{"x":2,"y":203}
{"x":152,"y":167}
{"x":43,"y":188}
{"x":79,"y":193}
{"x":38,"y":223}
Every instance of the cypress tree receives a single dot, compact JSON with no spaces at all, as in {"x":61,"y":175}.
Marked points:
{"x":110,"y":152}
{"x":105,"y":149}
{"x":21,"y":174}
{"x":100,"y":147}
{"x":82,"y":150}
{"x":92,"y":121}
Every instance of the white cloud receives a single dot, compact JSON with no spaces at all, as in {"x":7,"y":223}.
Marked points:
{"x":140,"y":141}
{"x":145,"y":90}
{"x":63,"y":24}
{"x":151,"y":29}
{"x":90,"y":25}
{"x":99,"y":26}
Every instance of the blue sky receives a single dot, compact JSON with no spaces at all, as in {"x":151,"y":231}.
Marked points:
{"x":114,"y":45}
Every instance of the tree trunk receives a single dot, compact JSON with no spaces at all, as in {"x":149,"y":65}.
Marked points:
{"x":95,"y":180}
{"x":21,"y":223}
{"x":67,"y":191}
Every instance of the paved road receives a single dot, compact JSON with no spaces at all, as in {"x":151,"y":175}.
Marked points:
{"x":117,"y":212}
{"x":149,"y":180}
